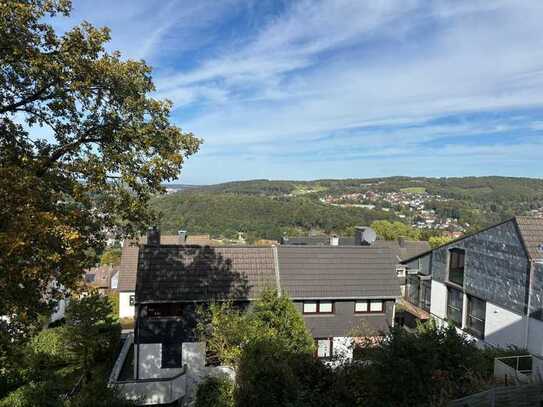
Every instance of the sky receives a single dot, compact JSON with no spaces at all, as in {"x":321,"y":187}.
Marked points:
{"x":344,"y":88}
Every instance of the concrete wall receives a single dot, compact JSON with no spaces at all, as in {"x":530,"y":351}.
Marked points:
{"x":438,"y":304}
{"x":343,"y":321}
{"x":150,"y":359}
{"x":125,"y":309}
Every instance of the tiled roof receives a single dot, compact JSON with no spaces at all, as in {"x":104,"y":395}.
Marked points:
{"x":101,"y":276}
{"x":409,"y":248}
{"x":201,"y":273}
{"x":129,"y":257}
{"x":531,"y":229}
{"x":338,"y":272}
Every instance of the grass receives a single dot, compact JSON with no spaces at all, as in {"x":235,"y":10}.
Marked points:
{"x":414,"y":190}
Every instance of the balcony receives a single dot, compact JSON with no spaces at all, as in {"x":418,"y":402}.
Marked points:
{"x":145,"y":391}
{"x":522,"y":369}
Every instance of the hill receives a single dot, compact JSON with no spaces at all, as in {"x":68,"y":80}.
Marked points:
{"x":267,"y":209}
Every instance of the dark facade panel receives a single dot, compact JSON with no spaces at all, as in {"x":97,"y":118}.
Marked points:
{"x":496,"y":266}
{"x":536,"y":306}
{"x":344,"y":321}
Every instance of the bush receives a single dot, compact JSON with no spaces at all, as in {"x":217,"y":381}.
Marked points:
{"x":43,"y":394}
{"x":215,"y":392}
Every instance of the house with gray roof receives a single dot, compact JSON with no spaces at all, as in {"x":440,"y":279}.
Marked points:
{"x":126,"y":284}
{"x":488,"y":284}
{"x":343,"y":293}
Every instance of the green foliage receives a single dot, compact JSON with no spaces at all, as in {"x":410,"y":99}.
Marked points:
{"x":260,"y":217}
{"x":436,"y":241}
{"x":393,"y":230}
{"x":215,"y":392}
{"x":108,"y":147}
{"x":92,"y":332}
{"x":111,"y":257}
{"x":114,"y":301}
{"x":34,"y":394}
{"x":228,"y":330}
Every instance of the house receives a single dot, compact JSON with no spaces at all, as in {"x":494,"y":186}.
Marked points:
{"x":488,"y":284}
{"x":126,"y":279}
{"x":101,"y":277}
{"x":342,"y":291}
{"x":402,"y":248}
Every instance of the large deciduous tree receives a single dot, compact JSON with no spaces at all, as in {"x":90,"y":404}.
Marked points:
{"x":83,"y":147}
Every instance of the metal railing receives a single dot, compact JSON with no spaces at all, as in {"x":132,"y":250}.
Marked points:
{"x":147,"y":391}
{"x":529,"y":395}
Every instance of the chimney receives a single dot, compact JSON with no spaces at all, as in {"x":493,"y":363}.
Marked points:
{"x":364,"y":236}
{"x":401,"y":241}
{"x":153,"y":236}
{"x":181,"y":236}
{"x":334,"y":240}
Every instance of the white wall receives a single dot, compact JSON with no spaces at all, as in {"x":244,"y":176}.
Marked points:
{"x":535,"y":337}
{"x":125,"y":309}
{"x":503,"y":327}
{"x":150,"y":359}
{"x":438,"y":304}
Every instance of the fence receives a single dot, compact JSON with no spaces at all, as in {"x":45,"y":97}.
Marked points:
{"x":530,"y":395}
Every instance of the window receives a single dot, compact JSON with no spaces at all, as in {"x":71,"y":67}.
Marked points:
{"x":368,"y":306}
{"x":132,"y":300}
{"x":171,"y":355}
{"x":456,"y":266}
{"x":425,"y":294}
{"x":324,"y":347}
{"x":475,"y":323}
{"x":90,"y":278}
{"x":361,"y":306}
{"x":454,"y":306}
{"x":164,"y":310}
{"x":318,"y":307}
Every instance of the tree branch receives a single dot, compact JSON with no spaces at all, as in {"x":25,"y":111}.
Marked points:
{"x":13,"y":107}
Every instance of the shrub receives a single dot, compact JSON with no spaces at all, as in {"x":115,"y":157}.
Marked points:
{"x":215,"y":392}
{"x":43,"y":394}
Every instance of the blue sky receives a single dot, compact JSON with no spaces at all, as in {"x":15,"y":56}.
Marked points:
{"x":336,"y":89}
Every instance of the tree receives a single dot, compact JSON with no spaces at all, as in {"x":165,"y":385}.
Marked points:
{"x":393,"y":230}
{"x":111,"y":257}
{"x":228,"y":330}
{"x":106,"y":149}
{"x":436,"y":241}
{"x":92,"y":331}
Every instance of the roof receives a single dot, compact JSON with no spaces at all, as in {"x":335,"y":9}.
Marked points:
{"x":129,"y":256}
{"x":531,"y":230}
{"x":202,"y":273}
{"x":338,"y":272}
{"x":405,"y":250}
{"x":100,"y":277}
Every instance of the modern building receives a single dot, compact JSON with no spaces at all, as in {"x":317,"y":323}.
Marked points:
{"x":488,"y":284}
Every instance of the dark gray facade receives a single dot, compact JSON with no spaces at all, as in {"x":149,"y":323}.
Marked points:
{"x":496,"y":266}
{"x":345,"y":322}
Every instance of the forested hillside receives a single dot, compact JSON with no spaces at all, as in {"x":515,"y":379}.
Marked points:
{"x":267,"y":209}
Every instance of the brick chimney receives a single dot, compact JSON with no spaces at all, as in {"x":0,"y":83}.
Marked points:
{"x":153,"y":236}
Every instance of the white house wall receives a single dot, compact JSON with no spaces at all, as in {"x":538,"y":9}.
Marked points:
{"x":535,"y":337}
{"x":504,"y":327}
{"x":438,"y":304}
{"x":125,"y":309}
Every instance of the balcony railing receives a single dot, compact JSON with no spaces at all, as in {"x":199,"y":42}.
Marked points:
{"x":519,"y":369}
{"x":146,"y":391}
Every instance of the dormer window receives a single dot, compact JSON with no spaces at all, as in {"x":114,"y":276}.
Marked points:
{"x":456,"y":266}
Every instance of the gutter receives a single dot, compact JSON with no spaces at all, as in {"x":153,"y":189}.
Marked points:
{"x":528,"y":308}
{"x":276,"y":269}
